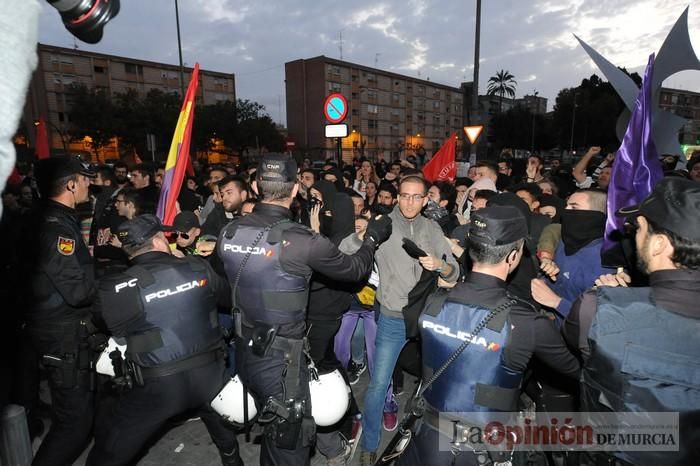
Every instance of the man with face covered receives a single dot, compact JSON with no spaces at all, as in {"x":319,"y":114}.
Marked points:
{"x":577,"y":261}
{"x":639,"y":344}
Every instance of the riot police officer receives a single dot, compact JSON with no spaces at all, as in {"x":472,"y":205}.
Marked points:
{"x":269,"y":260}
{"x":61,"y":288}
{"x":640,"y":344}
{"x":166,"y":309}
{"x":504,"y":332}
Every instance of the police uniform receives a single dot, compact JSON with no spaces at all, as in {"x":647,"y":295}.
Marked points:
{"x":166,"y":309}
{"x":269,"y":260}
{"x":640,"y":344}
{"x":488,"y":375}
{"x":57,"y":314}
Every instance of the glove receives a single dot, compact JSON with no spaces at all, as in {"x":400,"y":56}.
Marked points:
{"x":379,"y":229}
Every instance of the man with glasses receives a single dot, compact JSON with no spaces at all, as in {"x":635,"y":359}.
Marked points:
{"x":399,"y":273}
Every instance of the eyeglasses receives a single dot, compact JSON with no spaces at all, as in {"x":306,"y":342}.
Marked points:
{"x":183,"y":235}
{"x":411,"y":197}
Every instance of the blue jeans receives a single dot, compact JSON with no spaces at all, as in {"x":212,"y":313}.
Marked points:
{"x":391,"y":336}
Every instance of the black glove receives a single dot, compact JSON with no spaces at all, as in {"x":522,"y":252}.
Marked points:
{"x":379,"y":229}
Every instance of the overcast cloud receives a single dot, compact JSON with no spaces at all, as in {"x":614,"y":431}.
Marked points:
{"x":432,"y":39}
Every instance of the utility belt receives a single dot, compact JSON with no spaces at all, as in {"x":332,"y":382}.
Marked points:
{"x":74,"y":362}
{"x":141,"y":373}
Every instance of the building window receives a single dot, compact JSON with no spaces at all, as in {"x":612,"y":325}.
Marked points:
{"x":371,"y":77}
{"x":53,"y":59}
{"x":394,"y":128}
{"x":421,"y":116}
{"x":131,"y":68}
{"x":421,"y":89}
{"x":220,"y":97}
{"x":354,"y":111}
{"x":394,"y":113}
{"x":372,"y":109}
{"x":99,"y":69}
{"x":334,"y":87}
{"x":57,"y":78}
{"x":61,"y":117}
{"x":395,"y":98}
{"x":335,"y":70}
{"x":436,"y":104}
{"x":371,"y":94}
{"x":66,"y":61}
{"x":372,"y":124}
{"x":674,"y":99}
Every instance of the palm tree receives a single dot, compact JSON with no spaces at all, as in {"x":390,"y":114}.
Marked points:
{"x":502,"y":84}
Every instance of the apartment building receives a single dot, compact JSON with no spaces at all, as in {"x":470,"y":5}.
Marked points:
{"x":390,"y":115}
{"x":49,"y":94}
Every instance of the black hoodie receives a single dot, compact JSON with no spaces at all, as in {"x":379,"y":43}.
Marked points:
{"x":328,"y":300}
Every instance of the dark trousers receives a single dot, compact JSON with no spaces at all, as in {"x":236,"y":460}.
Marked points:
{"x":424,"y":449}
{"x":72,"y":411}
{"x":264,"y":378}
{"x":141,"y":412}
{"x":72,"y":400}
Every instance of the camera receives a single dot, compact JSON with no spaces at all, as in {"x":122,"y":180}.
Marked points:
{"x":86,"y":19}
{"x":314,"y":201}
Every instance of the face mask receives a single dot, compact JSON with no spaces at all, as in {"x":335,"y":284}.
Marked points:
{"x":434,"y":211}
{"x":580,"y":227}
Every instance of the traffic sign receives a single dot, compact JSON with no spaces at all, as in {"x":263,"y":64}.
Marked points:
{"x":337,"y":131}
{"x":290,"y":143}
{"x":473,"y":132}
{"x":336,"y":108}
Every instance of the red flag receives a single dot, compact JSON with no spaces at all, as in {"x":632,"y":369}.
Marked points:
{"x":41,"y":146}
{"x":179,"y":154}
{"x":442,"y":166}
{"x":15,"y":178}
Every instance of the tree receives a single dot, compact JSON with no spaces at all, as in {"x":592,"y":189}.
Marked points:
{"x":598,"y":107}
{"x":214,"y":121}
{"x":502,"y":84}
{"x":255,"y":128}
{"x":92,"y":115}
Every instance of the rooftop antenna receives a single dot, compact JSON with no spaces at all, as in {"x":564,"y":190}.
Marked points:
{"x":75,"y":43}
{"x":376,"y":59}
{"x":340,"y":44}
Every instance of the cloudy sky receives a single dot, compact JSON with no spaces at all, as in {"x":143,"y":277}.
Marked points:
{"x":533,"y":39}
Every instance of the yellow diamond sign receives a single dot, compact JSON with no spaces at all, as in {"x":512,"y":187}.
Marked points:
{"x":473,"y":132}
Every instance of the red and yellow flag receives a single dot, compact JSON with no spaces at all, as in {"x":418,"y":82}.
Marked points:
{"x":179,"y":155}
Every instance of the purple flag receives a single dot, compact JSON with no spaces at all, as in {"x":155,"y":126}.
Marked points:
{"x":637,"y":168}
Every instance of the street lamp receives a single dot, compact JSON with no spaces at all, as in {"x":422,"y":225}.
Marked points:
{"x":573,"y":122}
{"x":532,"y":148}
{"x":58,"y":130}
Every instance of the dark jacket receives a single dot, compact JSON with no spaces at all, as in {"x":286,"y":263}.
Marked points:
{"x":59,"y":268}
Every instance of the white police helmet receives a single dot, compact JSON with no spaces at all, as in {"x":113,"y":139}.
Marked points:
{"x":330,"y":397}
{"x":229,"y":402}
{"x":104,"y":363}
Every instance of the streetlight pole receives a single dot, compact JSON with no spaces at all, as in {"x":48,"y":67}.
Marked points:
{"x":573,"y":122}
{"x":179,"y":51}
{"x":475,"y":84}
{"x":534,"y":113}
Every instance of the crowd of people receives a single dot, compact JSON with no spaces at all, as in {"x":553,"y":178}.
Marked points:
{"x":272,"y":267}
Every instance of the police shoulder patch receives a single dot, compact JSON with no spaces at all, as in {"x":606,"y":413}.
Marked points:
{"x":65,"y":246}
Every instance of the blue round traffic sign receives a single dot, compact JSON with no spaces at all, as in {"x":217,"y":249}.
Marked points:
{"x":336,"y":108}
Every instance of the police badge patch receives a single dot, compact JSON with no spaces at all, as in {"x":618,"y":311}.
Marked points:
{"x":66,"y":246}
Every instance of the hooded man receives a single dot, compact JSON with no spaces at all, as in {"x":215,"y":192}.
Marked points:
{"x":577,"y":261}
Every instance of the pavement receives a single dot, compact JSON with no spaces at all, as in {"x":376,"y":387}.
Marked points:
{"x":189,"y":443}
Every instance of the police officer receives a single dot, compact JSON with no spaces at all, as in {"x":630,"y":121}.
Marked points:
{"x":269,"y":259}
{"x":487,"y":376}
{"x":61,"y":289}
{"x":166,"y":309}
{"x":640,"y":344}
